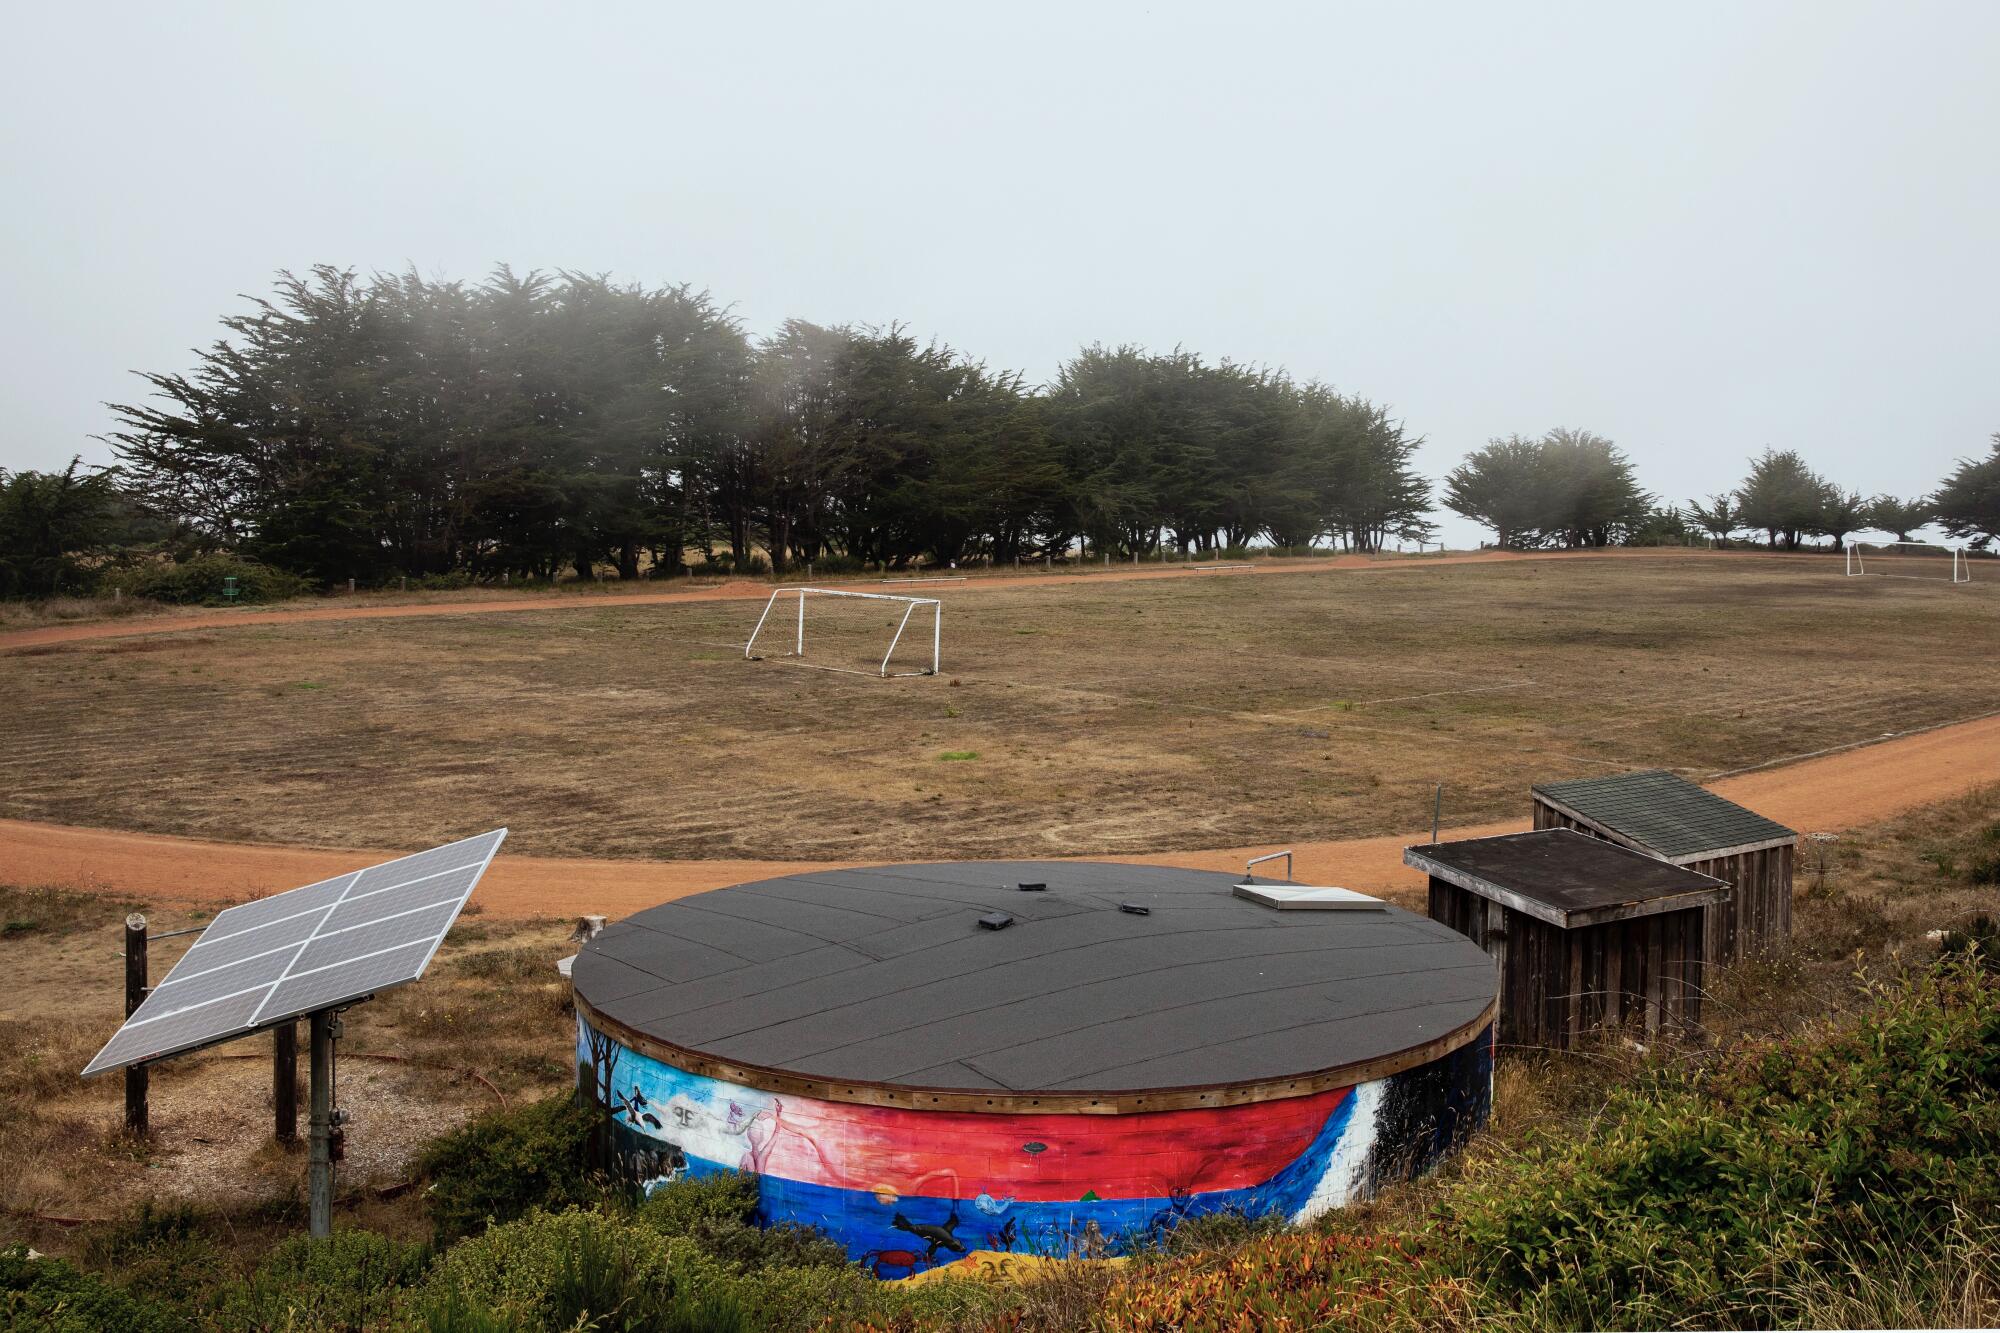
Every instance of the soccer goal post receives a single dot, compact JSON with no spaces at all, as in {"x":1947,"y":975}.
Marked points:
{"x":801,"y":596}
{"x":1908,"y":560}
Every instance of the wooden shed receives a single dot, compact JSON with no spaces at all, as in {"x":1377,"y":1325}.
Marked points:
{"x":1584,"y":933}
{"x":1663,"y":815}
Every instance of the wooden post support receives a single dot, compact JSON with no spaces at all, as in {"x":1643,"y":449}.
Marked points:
{"x":285,"y":1081}
{"x":319,"y":1162}
{"x":135,"y":995}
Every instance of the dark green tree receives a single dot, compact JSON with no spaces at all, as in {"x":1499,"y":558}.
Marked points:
{"x":52,"y":525}
{"x":1840,"y":512}
{"x":1967,"y":504}
{"x":1718,"y":517}
{"x":1886,"y":513}
{"x":1503,"y":487}
{"x":1782,"y":496}
{"x":1592,"y":496}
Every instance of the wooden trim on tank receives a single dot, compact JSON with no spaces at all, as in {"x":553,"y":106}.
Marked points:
{"x":1130,"y":1102}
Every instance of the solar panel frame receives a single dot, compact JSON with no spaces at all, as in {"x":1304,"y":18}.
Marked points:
{"x":386,"y":942}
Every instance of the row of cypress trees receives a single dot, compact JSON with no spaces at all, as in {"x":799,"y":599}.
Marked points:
{"x":352,"y":427}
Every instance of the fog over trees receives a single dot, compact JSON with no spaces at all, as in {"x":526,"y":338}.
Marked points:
{"x":530,"y":424}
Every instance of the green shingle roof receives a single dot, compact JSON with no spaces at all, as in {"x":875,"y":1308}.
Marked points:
{"x":1667,"y":815}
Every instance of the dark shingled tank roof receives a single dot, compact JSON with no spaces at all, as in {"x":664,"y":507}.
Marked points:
{"x":885,"y":976}
{"x":1666,"y":814}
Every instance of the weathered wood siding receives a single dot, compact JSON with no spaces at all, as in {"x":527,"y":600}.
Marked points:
{"x":1759,"y":909}
{"x":1556,"y":985}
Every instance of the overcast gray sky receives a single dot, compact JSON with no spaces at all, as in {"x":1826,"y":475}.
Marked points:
{"x":1697,"y":229}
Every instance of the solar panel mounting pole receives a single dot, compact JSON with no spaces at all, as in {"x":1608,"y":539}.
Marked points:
{"x":319,"y":1160}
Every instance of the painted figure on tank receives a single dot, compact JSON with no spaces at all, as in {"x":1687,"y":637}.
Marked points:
{"x":905,"y":1189}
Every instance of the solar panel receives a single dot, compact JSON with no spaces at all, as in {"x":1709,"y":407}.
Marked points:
{"x":276,"y":959}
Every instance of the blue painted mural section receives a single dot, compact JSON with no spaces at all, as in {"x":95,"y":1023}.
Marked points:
{"x":674,"y":1124}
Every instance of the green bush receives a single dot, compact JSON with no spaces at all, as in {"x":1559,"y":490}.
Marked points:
{"x":452,"y":582}
{"x":1979,"y":943}
{"x":166,"y":1256}
{"x":1701,"y":1200}
{"x":579,"y":1269}
{"x":199,"y":581}
{"x":352,"y":1280}
{"x":838,"y":564}
{"x":716,"y":1212}
{"x":497,"y":1167}
{"x":1983,"y":864}
{"x":52,"y":1296}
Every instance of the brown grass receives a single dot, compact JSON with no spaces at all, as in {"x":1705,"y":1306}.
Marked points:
{"x":1107,"y":717}
{"x":491,"y":1021}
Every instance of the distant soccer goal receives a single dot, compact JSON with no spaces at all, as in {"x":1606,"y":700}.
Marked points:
{"x":1908,"y":560}
{"x":846,"y":638}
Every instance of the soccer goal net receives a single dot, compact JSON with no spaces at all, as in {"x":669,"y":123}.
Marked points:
{"x":834,"y":629}
{"x":1908,"y":560}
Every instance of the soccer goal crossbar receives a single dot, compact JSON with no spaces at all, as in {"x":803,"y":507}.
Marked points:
{"x":910,"y":607}
{"x":1907,"y":560}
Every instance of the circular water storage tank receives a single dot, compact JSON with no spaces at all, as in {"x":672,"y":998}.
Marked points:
{"x":930,"y":1061}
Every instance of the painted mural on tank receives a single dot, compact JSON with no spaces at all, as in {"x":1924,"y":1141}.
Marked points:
{"x":909,"y":1190}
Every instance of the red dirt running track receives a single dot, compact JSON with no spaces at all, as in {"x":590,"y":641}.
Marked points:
{"x":1825,"y":793}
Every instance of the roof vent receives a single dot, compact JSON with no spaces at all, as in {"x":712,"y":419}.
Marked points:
{"x":1300,"y":898}
{"x":996,"y":921}
{"x":1031,"y":886}
{"x":1136,"y":909}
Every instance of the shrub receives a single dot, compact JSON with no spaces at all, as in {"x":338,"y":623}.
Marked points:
{"x":452,"y":582}
{"x":1983,"y":864}
{"x":497,"y":1167}
{"x":200,"y":581}
{"x":352,"y":1280}
{"x":579,"y":1269}
{"x":1286,"y":1279}
{"x":1702,"y":1201}
{"x":1979,"y":942}
{"x":164,"y":1256}
{"x":838,"y":564}
{"x":52,"y":1296}
{"x":717,"y":1212}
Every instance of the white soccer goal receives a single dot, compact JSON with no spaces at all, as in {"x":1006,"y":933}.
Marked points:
{"x":1908,"y":560}
{"x":910,"y":606}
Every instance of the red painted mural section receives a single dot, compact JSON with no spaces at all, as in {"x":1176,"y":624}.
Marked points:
{"x":1036,"y":1157}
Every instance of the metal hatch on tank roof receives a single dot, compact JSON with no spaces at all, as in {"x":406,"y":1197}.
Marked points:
{"x":1309,"y":898}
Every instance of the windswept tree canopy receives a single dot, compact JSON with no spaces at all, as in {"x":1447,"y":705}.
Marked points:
{"x":1886,"y":513}
{"x":1569,"y":488}
{"x":50,"y":523}
{"x":1718,"y":517}
{"x":1781,"y":496}
{"x":1968,"y":503}
{"x":365,"y":428}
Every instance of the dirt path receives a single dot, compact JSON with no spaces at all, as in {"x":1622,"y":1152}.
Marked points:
{"x":743,"y":590}
{"x":1825,"y":793}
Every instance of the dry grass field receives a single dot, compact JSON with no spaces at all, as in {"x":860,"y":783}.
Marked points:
{"x":1209,"y":710}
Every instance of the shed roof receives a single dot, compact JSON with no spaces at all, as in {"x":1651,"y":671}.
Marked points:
{"x":1564,"y":877}
{"x":1665,"y":814}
